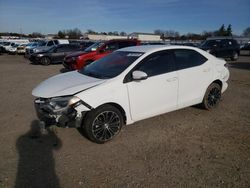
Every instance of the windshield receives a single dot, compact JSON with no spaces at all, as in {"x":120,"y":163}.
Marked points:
{"x":6,"y":43}
{"x":209,"y":43}
{"x":52,"y":49}
{"x":111,"y":65}
{"x":94,"y":47}
{"x":41,"y":43}
{"x":30,"y":44}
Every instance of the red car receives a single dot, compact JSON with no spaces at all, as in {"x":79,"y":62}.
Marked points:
{"x":76,"y":61}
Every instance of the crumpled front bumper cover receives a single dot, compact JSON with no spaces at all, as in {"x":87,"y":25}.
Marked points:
{"x":67,"y":117}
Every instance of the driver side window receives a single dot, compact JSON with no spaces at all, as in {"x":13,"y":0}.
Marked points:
{"x":111,"y":46}
{"x":158,"y":63}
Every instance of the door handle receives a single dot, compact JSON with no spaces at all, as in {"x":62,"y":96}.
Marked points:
{"x":171,"y":79}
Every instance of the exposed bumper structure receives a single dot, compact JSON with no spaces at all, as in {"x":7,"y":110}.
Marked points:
{"x":69,"y":116}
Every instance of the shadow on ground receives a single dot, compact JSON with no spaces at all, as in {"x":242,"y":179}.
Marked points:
{"x":64,"y":70}
{"x":240,"y":65}
{"x":36,"y":165}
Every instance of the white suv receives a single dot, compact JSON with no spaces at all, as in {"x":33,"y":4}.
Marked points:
{"x":129,"y":85}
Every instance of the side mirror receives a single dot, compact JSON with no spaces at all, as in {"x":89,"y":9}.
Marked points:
{"x":139,"y":75}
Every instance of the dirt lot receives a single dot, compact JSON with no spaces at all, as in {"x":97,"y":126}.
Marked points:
{"x":186,"y":148}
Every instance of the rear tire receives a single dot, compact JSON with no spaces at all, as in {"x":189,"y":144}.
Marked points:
{"x":45,"y":61}
{"x":212,"y":96}
{"x":103,"y":124}
{"x":235,"y":56}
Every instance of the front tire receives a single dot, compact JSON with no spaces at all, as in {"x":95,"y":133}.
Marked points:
{"x":212,"y":96}
{"x":103,"y":124}
{"x":45,"y":61}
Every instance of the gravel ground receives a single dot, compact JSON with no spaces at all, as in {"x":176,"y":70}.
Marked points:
{"x":186,"y":148}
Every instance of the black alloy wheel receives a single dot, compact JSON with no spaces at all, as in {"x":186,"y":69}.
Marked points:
{"x":45,"y":61}
{"x":103,"y":124}
{"x":212,"y":96}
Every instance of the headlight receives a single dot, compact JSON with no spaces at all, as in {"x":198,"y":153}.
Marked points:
{"x":39,"y":55}
{"x":63,"y":102}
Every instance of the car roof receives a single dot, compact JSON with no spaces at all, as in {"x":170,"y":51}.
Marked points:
{"x":152,"y":48}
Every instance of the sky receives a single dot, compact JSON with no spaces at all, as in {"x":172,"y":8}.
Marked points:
{"x":194,"y":16}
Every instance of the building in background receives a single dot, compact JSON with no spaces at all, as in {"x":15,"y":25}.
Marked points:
{"x":145,"y":36}
{"x":102,"y":37}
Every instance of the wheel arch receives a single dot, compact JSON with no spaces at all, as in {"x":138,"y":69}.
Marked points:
{"x":119,"y":107}
{"x":217,"y":82}
{"x":46,"y":56}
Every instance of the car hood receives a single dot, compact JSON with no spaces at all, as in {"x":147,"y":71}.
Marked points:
{"x":43,"y":48}
{"x":75,"y":54}
{"x":65,"y":84}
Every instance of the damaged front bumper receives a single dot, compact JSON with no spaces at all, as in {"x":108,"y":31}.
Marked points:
{"x":67,"y":116}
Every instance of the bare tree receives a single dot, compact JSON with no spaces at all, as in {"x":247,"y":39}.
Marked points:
{"x":246,"y":32}
{"x":123,"y":33}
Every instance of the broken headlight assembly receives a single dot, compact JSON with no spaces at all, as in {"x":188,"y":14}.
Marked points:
{"x":58,"y":104}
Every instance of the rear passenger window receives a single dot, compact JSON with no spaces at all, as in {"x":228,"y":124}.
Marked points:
{"x":62,"y":49}
{"x":111,"y":46}
{"x":74,"y":48}
{"x":188,"y":58}
{"x":158,"y":63}
{"x":50,"y":43}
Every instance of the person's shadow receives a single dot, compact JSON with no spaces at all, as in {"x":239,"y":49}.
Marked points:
{"x":36,"y":166}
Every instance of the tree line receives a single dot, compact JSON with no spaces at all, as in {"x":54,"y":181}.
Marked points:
{"x":165,"y":34}
{"x":175,"y":35}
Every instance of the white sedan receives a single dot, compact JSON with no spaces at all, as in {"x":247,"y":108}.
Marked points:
{"x":129,"y":85}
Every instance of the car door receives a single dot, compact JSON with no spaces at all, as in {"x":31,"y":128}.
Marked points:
{"x":72,"y":48}
{"x":214,"y":47}
{"x":59,"y":53}
{"x":194,"y":73}
{"x":225,"y":48}
{"x":158,"y":93}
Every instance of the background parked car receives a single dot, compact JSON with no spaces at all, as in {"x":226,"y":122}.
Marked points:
{"x":44,"y":46}
{"x":13,"y":49}
{"x":83,"y":44}
{"x":225,"y":48}
{"x":153,"y":43}
{"x":246,"y":47}
{"x":55,"y":54}
{"x":48,"y":44}
{"x":7,"y":45}
{"x":30,"y":46}
{"x":21,"y":49}
{"x":2,"y":50}
{"x":96,"y":51}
